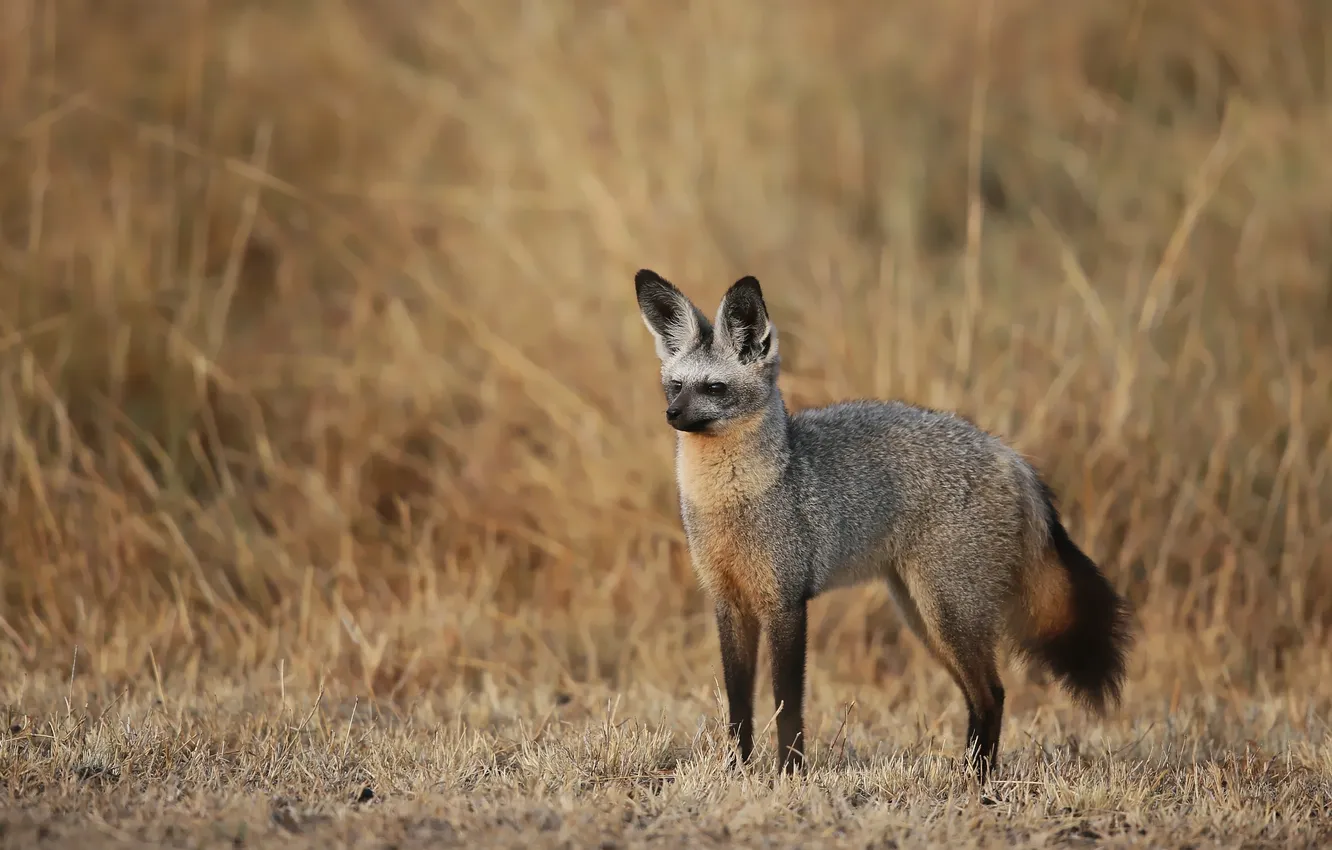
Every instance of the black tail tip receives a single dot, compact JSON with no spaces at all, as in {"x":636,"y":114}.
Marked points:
{"x":1090,"y":658}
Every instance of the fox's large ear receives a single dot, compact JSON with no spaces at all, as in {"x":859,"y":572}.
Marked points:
{"x":675,"y":322}
{"x":742,"y":320}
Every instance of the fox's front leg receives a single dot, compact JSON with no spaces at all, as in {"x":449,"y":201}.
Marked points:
{"x":739,"y":633}
{"x":786,"y":634}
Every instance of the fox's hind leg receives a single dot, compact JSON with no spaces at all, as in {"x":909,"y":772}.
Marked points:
{"x":984,"y":722}
{"x":977,"y":678}
{"x":974,"y":671}
{"x":963,"y":639}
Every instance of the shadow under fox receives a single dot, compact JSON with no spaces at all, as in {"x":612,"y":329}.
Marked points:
{"x":780,"y":507}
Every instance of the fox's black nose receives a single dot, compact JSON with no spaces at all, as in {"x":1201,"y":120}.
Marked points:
{"x":672,"y":414}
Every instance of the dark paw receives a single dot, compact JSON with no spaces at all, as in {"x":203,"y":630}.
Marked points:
{"x":735,"y":761}
{"x":793,"y":765}
{"x":980,"y":769}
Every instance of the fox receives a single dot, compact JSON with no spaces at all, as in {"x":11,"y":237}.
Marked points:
{"x":779,"y":507}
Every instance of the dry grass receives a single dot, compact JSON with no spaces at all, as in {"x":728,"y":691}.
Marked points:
{"x":319,"y":367}
{"x":516,"y":765}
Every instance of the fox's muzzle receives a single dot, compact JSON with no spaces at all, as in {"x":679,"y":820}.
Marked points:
{"x":680,"y":418}
{"x":691,"y":426}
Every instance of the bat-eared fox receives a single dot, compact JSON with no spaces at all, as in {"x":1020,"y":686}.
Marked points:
{"x":779,"y":507}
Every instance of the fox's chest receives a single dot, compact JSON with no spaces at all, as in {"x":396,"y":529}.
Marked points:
{"x":723,"y":474}
{"x":732,"y":566}
{"x":722,"y":485}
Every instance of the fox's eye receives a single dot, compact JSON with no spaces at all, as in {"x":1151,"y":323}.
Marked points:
{"x":714,"y":388}
{"x":675,"y":387}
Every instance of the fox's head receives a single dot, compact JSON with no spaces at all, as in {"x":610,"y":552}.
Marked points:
{"x":718,"y":373}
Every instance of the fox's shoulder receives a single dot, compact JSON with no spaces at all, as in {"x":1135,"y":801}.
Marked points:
{"x":898,"y":427}
{"x":870,"y":414}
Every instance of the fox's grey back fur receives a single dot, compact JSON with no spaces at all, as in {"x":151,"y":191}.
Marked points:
{"x":780,"y":507}
{"x":879,"y":488}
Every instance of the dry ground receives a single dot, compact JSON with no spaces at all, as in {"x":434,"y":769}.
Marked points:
{"x":517,"y":763}
{"x":331,"y":444}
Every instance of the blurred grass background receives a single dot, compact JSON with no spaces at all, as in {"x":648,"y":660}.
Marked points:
{"x":317,"y":336}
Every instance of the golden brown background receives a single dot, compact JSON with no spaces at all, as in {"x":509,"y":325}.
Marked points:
{"x":319,"y":362}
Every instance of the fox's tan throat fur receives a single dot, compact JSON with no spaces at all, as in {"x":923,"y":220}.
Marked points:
{"x":779,"y":507}
{"x":721,"y":476}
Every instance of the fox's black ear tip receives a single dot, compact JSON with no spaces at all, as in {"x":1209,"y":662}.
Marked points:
{"x":647,"y":277}
{"x":749,"y":284}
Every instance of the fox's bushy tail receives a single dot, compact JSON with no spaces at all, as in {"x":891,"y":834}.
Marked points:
{"x":1087,"y":632}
